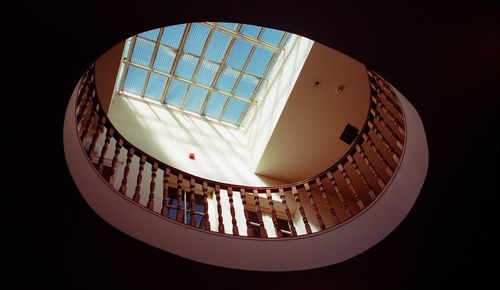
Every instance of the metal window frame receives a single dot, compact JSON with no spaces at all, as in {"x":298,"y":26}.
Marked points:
{"x":179,"y":52}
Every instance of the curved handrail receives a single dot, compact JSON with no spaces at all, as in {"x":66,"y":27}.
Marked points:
{"x":384,"y":112}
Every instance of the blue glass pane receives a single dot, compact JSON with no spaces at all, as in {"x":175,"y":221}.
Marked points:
{"x":227,"y":80}
{"x":272,"y":36}
{"x":172,"y":35}
{"x":215,"y":105}
{"x":207,"y":73}
{"x":164,"y":59}
{"x":250,"y":30}
{"x":143,"y":50}
{"x":155,"y":86}
{"x":233,"y":111}
{"x":228,"y":25}
{"x":259,"y":61}
{"x":239,"y":54}
{"x":246,"y":87}
{"x":134,"y":82}
{"x":195,"y":99}
{"x":186,"y":66}
{"x":217,"y":46}
{"x":196,"y":39}
{"x":151,"y":34}
{"x":176,"y":93}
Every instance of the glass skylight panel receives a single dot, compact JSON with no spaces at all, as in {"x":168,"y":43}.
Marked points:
{"x":172,"y":35}
{"x":230,"y":66}
{"x":250,"y":30}
{"x":176,"y":93}
{"x":186,"y":66}
{"x":134,"y":81}
{"x":196,"y":39}
{"x":195,"y":99}
{"x":207,"y":73}
{"x":228,"y":25}
{"x":151,"y":34}
{"x":272,"y":36}
{"x":215,"y":105}
{"x":143,"y":50}
{"x":239,"y":54}
{"x":155,"y":86}
{"x":246,"y":86}
{"x":227,"y":80}
{"x":217,"y":46}
{"x":164,"y":59}
{"x":259,"y":61}
{"x":233,"y":111}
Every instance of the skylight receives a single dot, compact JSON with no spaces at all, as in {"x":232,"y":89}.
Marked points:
{"x":214,"y":70}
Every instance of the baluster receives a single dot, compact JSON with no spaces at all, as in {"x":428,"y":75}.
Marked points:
{"x":98,"y":130}
{"x":380,"y":182}
{"x":219,"y":209}
{"x":387,"y":129}
{"x":327,"y":201}
{"x":263,"y":231}
{"x":192,"y":202}
{"x":314,"y":206}
{"x":109,"y":134}
{"x":93,"y":114}
{"x":166,"y":176}
{"x":381,"y":107}
{"x":269,"y":196}
{"x":384,"y":141}
{"x":205,"y":205}
{"x":301,"y":209}
{"x":152,"y":185}
{"x":83,"y":111}
{"x":245,"y":211}
{"x":180,"y":180}
{"x":137,"y":194}
{"x":359,"y":202}
{"x":344,"y":204}
{"x":231,"y":209}
{"x":114,"y":163}
{"x":130,"y":154}
{"x":388,"y":168}
{"x":371,"y":193}
{"x":287,"y":211}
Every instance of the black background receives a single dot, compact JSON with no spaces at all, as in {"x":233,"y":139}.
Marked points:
{"x":443,"y":58}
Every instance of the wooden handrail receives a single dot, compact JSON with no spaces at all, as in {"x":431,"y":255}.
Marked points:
{"x":359,"y":184}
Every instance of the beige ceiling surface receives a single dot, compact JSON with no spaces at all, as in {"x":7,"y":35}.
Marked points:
{"x":306,"y":138}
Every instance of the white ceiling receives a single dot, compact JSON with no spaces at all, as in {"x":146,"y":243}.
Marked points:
{"x":306,"y":140}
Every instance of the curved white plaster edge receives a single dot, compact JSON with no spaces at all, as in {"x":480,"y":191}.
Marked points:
{"x":321,"y":249}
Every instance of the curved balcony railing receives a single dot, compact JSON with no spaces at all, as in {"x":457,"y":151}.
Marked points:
{"x":345,"y":189}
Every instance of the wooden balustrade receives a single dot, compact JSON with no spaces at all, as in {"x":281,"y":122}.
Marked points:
{"x":137,"y":193}
{"x":180,"y":180}
{"x":263,"y":231}
{"x":355,"y":194}
{"x":192,"y":202}
{"x":164,"y":207}
{"x":130,"y":154}
{"x":327,"y":201}
{"x":269,"y":196}
{"x":245,"y":212}
{"x":233,"y":213}
{"x":287,"y":212}
{"x":219,"y":209}
{"x":152,"y":185}
{"x":385,"y":125}
{"x":205,"y":206}
{"x":301,"y":209}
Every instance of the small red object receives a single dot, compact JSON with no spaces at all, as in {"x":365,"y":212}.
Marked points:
{"x":191,"y":156}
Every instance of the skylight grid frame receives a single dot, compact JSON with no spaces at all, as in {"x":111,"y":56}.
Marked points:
{"x":180,"y":51}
